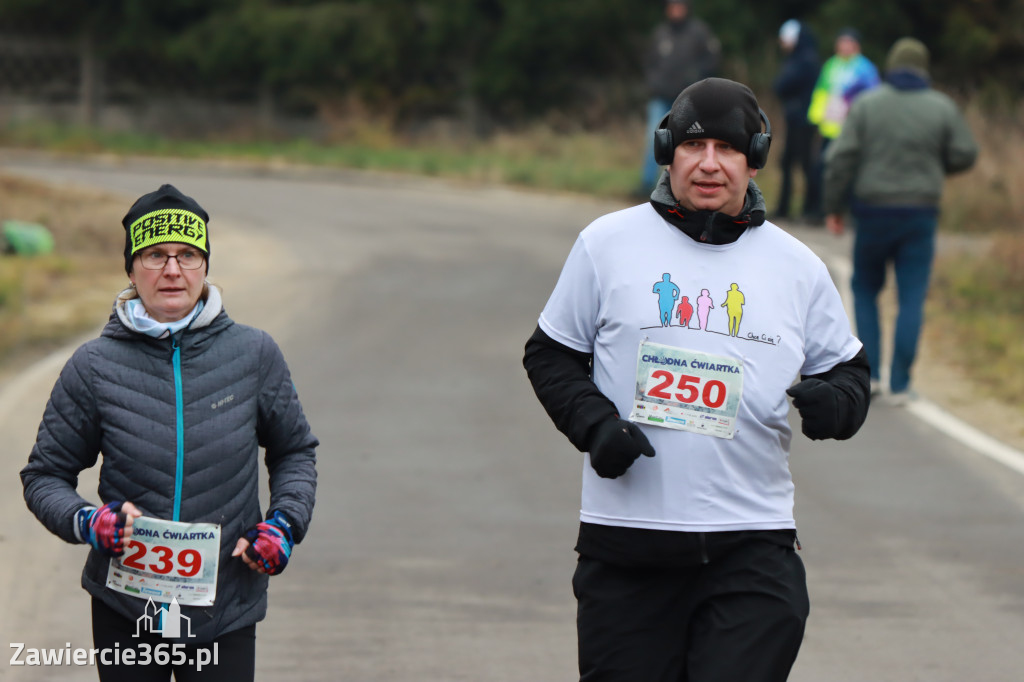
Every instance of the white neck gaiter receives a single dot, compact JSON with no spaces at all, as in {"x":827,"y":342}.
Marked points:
{"x":143,"y":323}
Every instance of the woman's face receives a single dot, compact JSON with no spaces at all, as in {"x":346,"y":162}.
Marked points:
{"x":168,"y":291}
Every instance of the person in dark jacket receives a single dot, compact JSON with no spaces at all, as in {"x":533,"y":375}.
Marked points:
{"x":888,"y":166}
{"x":793,"y":86}
{"x":178,"y":399}
{"x":681,"y":51}
{"x":687,"y":567}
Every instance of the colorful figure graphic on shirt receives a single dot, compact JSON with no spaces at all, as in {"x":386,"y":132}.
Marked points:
{"x":704,"y":306}
{"x":667,"y":294}
{"x":734,"y":306}
{"x":684,"y":312}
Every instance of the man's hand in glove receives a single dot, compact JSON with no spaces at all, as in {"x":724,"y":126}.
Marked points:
{"x":615,"y":446}
{"x":819,"y":408}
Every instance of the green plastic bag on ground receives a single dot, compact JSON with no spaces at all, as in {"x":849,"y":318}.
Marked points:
{"x":26,"y":239}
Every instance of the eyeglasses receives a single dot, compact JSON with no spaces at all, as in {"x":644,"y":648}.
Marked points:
{"x":189,"y":259}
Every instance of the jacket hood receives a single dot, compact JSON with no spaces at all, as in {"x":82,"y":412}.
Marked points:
{"x":710,"y":227}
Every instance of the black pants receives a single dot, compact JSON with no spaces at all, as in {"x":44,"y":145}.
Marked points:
{"x":814,"y":207}
{"x":799,"y":154}
{"x":739,"y":617}
{"x":236,"y":652}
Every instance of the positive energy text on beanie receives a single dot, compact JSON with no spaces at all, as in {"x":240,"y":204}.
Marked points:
{"x":168,"y":225}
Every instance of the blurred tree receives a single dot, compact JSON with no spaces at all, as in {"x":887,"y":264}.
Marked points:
{"x":102,"y":29}
{"x":542,"y":52}
{"x":511,"y":60}
{"x":389,"y":54}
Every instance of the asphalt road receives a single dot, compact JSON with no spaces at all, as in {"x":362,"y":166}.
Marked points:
{"x":441,"y":547}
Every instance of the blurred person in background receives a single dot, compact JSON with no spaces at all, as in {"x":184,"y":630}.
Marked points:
{"x":793,"y":86}
{"x":179,"y":399}
{"x":682,"y":50}
{"x":687,"y":567}
{"x":888,"y":166}
{"x":843,"y":76}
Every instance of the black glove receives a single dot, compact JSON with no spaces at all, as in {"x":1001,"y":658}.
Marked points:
{"x":819,"y":408}
{"x":615,"y":446}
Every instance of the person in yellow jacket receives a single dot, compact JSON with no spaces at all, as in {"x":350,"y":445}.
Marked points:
{"x":843,"y":76}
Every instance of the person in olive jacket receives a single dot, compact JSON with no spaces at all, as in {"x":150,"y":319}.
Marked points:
{"x":888,"y":167}
{"x":178,"y":399}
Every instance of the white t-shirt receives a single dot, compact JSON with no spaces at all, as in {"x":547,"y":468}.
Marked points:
{"x":764,"y":300}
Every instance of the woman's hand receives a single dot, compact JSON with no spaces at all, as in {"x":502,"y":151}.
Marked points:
{"x":107,"y":528}
{"x":131,"y":513}
{"x":240,"y":549}
{"x":834,"y":224}
{"x":267,"y":546}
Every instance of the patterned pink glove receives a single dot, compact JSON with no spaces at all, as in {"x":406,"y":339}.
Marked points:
{"x":103,"y":528}
{"x":270,"y":543}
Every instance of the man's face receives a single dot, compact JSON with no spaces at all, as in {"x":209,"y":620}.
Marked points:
{"x":676,"y":11}
{"x":846,"y":46}
{"x":710,"y":175}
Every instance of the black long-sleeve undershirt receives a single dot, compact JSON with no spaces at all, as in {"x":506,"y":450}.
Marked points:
{"x":852,"y":383}
{"x":562,"y":379}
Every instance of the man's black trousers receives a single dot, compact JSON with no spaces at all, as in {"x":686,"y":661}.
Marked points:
{"x":738,"y":618}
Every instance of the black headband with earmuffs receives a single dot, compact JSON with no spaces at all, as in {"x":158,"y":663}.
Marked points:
{"x":757,"y":150}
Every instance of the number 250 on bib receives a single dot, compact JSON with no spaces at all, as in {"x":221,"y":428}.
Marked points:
{"x":687,"y":390}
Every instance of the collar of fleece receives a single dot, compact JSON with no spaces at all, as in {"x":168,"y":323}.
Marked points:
{"x":907,"y":79}
{"x":708,"y":227}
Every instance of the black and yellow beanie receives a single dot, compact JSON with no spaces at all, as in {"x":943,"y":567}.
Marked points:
{"x":165,"y":215}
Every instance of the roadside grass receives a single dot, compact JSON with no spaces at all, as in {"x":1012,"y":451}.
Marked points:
{"x":980,"y":301}
{"x":976,"y":302}
{"x":591,"y":163}
{"x":976,"y":299}
{"x":989,"y":196}
{"x":47,"y":299}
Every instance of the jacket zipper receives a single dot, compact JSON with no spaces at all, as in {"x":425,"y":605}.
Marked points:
{"x":708,"y":227}
{"x":179,"y":427}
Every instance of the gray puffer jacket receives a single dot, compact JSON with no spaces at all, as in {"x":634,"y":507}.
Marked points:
{"x":191,"y":456}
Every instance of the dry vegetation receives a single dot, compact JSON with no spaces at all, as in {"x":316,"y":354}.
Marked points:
{"x":975,"y":323}
{"x":44,"y":300}
{"x":989,"y":197}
